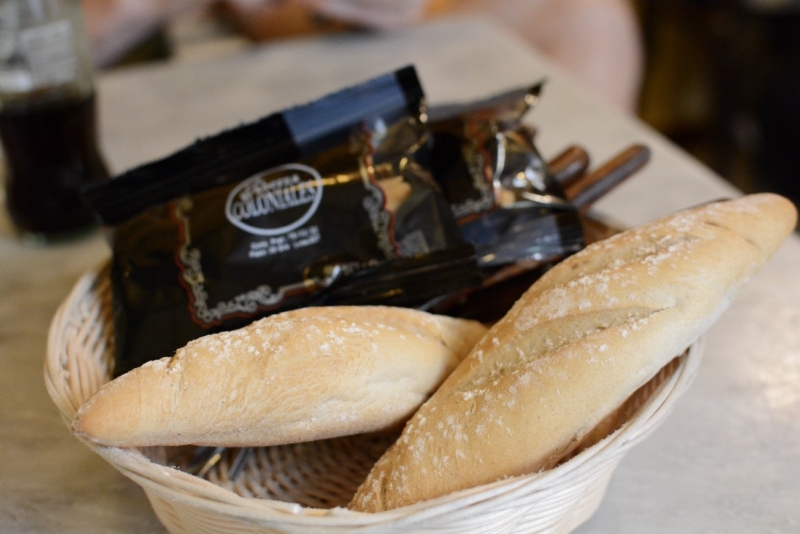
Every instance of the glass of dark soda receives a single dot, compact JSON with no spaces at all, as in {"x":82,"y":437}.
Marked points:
{"x":48,"y":118}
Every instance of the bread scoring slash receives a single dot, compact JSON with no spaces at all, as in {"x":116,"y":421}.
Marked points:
{"x":575,"y":346}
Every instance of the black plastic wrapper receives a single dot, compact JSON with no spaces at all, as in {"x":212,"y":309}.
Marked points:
{"x":504,"y":197}
{"x":327,"y":203}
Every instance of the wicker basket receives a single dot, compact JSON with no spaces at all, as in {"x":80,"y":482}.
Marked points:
{"x":303,"y":488}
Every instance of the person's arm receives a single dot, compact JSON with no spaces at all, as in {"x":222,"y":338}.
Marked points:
{"x":598,"y":42}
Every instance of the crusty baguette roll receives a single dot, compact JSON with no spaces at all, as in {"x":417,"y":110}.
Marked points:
{"x":302,"y":375}
{"x":579,"y":342}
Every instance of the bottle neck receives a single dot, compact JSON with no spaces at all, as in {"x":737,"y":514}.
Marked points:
{"x":44,"y":54}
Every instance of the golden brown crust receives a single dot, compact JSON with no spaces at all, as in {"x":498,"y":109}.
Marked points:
{"x":574,"y":347}
{"x":302,"y":375}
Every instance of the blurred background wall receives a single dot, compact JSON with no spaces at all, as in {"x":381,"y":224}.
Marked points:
{"x":722,"y":80}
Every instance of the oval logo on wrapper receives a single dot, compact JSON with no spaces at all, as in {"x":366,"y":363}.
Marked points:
{"x":275,"y":201}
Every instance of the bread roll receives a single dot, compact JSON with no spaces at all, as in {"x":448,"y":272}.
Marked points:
{"x":297,"y":376}
{"x":574,"y":347}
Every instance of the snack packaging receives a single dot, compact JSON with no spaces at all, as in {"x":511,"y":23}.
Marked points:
{"x":507,"y":202}
{"x":317,"y":204}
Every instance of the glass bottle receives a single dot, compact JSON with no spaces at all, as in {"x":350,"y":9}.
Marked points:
{"x":48,"y":118}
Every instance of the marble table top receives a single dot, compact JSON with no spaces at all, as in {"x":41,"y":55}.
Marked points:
{"x":728,"y":458}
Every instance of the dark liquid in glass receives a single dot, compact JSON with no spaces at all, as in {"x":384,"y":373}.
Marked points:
{"x":51,"y":150}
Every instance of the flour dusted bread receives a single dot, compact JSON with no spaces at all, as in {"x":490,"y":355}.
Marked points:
{"x":297,"y":376}
{"x":574,"y":347}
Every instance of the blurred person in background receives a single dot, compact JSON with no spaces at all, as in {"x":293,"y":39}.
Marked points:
{"x":597,"y":42}
{"x":116,"y":27}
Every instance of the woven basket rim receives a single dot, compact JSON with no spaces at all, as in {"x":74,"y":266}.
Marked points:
{"x":179,"y":486}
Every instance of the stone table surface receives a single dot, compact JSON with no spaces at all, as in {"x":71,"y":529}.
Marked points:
{"x":727,"y":459}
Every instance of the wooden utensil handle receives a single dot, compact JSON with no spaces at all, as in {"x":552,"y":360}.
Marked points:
{"x":569,"y":166}
{"x":586,"y":191}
